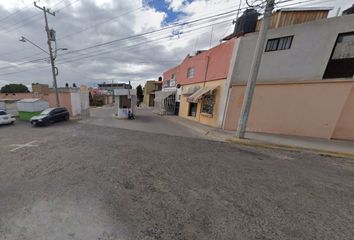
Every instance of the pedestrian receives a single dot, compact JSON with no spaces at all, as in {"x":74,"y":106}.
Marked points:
{"x":130,"y":115}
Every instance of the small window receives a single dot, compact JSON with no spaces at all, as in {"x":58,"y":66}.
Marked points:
{"x":124,"y":101}
{"x":208,"y":103}
{"x":190,"y":72}
{"x":166,"y":83}
{"x":276,"y":44}
{"x":173,"y":80}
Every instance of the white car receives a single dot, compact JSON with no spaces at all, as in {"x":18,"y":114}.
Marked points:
{"x":6,"y":118}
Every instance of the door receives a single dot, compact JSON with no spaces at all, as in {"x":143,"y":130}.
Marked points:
{"x":192,"y":109}
{"x":151,"y":100}
{"x":177,"y":108}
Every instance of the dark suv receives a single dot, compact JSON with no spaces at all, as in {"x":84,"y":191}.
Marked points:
{"x":51,"y":115}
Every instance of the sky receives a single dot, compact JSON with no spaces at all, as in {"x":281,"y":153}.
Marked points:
{"x":114,"y":40}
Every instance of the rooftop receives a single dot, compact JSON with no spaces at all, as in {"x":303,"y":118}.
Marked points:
{"x":30,"y":100}
{"x":304,"y":9}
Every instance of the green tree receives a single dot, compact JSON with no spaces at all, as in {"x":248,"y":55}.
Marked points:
{"x":139,"y":93}
{"x":14,"y":88}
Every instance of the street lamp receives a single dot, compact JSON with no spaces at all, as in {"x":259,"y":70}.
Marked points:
{"x":52,"y":58}
{"x":56,"y":50}
{"x":23,"y":39}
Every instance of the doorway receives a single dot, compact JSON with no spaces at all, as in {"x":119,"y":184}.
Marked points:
{"x":192,"y":109}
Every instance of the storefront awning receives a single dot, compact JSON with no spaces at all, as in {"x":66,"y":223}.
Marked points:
{"x":160,"y":96}
{"x":189,"y":90}
{"x":198,"y":94}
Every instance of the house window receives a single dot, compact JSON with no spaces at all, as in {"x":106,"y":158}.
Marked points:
{"x":190,"y":72}
{"x":124,"y":101}
{"x":166,"y":83}
{"x":341,"y":62}
{"x":276,"y":44}
{"x":208,"y":102}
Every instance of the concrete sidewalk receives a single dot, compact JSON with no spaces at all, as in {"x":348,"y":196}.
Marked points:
{"x":323,"y":146}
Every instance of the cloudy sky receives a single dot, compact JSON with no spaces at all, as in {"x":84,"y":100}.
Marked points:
{"x":115,"y":40}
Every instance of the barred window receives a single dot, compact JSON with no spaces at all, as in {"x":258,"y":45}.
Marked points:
{"x":208,"y":102}
{"x":276,"y":44}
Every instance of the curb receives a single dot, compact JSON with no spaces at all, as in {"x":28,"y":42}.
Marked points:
{"x":254,"y":143}
{"x":261,"y":144}
{"x":196,"y":129}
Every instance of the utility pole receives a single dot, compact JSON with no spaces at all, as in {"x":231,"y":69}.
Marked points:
{"x":251,"y":83}
{"x":50,"y":37}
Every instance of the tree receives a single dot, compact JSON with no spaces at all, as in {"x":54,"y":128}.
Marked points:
{"x":14,"y":88}
{"x":139,"y":93}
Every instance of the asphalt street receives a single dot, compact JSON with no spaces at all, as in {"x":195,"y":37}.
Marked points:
{"x":85,"y":181}
{"x":145,"y":121}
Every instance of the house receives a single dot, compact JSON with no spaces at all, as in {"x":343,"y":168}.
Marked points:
{"x":199,"y":82}
{"x":40,"y":88}
{"x":104,"y":93}
{"x":305,"y":84}
{"x":9,"y":105}
{"x":76,"y":100}
{"x":167,"y":100}
{"x":112,"y":86}
{"x":150,"y":88}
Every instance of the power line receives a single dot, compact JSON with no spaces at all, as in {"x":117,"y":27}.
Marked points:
{"x":73,"y":60}
{"x":105,"y":21}
{"x":130,"y":37}
{"x":143,"y":43}
{"x":26,"y":70}
{"x":21,"y":23}
{"x":100,"y":52}
{"x":24,"y":22}
{"x":149,"y":32}
{"x":100,"y":23}
{"x":41,"y":59}
{"x":67,"y":5}
{"x":139,"y":35}
{"x":14,"y":13}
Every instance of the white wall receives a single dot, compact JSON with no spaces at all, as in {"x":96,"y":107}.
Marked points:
{"x":75,"y":103}
{"x":306,"y":59}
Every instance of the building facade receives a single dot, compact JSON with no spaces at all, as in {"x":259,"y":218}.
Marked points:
{"x":200,"y":82}
{"x":150,"y":88}
{"x":305,"y":82}
{"x":76,"y":100}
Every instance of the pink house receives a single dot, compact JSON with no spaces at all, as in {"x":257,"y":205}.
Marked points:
{"x":201,"y":77}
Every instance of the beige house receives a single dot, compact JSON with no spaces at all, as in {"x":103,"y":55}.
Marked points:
{"x":150,"y":88}
{"x":305,"y":84}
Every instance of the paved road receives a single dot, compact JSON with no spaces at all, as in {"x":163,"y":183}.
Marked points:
{"x":145,"y":121}
{"x":83,"y":181}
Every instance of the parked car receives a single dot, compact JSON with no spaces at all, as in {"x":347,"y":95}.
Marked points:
{"x":50,"y":115}
{"x":6,"y":118}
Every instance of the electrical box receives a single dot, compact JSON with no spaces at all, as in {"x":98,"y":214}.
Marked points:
{"x":52,"y":34}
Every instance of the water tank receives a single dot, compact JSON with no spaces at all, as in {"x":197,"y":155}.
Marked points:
{"x":247,"y":22}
